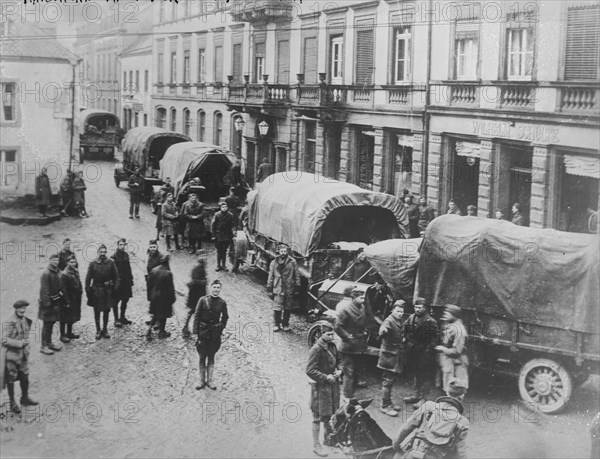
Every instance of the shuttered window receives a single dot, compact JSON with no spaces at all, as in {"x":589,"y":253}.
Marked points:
{"x":218,"y":64}
{"x":582,"y":47}
{"x":259,"y":61}
{"x":310,"y":60}
{"x":283,"y":62}
{"x":364,"y":56}
{"x":237,"y":63}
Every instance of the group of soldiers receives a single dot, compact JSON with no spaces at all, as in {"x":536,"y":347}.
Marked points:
{"x":71,"y":195}
{"x":415,"y":347}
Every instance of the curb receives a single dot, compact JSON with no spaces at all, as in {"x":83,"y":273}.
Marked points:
{"x":26,"y":221}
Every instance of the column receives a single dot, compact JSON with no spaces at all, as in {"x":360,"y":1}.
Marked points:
{"x":378,"y":161}
{"x":486,"y":180}
{"x":434,"y":191}
{"x":417,"y":163}
{"x":539,"y":187}
{"x":319,"y":149}
{"x":345,"y":154}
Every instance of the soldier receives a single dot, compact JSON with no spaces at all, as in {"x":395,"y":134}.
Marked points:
{"x":264,"y":170}
{"x":70,"y":284}
{"x":222,"y":231}
{"x":420,"y":330}
{"x":452,"y":356}
{"x":161,"y":294}
{"x":79,"y":195}
{"x":322,"y":369}
{"x":209,"y":322}
{"x":518,"y":218}
{"x":15,"y":356}
{"x":64,"y":254}
{"x":426,"y":214}
{"x":437,"y":429}
{"x":136,"y":190}
{"x":390,"y":356}
{"x":51,"y":297}
{"x":282,"y":285}
{"x":196,"y":290}
{"x":413,"y":213}
{"x":471,"y":211}
{"x":124,"y":292}
{"x":43,"y":192}
{"x":170,"y":214}
{"x":193,"y":212}
{"x":350,"y":326}
{"x":101,"y":285}
{"x":453,"y":208}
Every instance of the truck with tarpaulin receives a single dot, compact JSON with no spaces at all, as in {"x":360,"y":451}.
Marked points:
{"x":99,"y":133}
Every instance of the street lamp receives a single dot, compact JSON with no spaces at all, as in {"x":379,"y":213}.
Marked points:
{"x":239,"y":127}
{"x":263,"y":128}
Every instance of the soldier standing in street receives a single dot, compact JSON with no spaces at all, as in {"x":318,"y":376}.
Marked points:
{"x":426,"y":214}
{"x":413,"y":213}
{"x":43,"y":192}
{"x":64,"y":254}
{"x":193,"y":212}
{"x":70,"y":284}
{"x":421,"y":333}
{"x":264,"y":170}
{"x":437,"y":429}
{"x":351,"y":327}
{"x":222,"y":232}
{"x":452,"y":357}
{"x":322,"y":368}
{"x":209,"y":322}
{"x":196,"y":290}
{"x":136,"y":190}
{"x":101,"y":284}
{"x":390,"y":356}
{"x":161,"y":294}
{"x":124,"y":292}
{"x":14,"y":361}
{"x":79,"y":195}
{"x":50,"y":301}
{"x":170,"y":214}
{"x":283,"y":283}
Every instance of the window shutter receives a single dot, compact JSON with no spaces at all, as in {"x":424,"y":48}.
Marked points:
{"x":310,"y":60}
{"x":237,"y":63}
{"x":583,"y":36}
{"x":283,"y":62}
{"x":218,"y":64}
{"x":364,"y":56}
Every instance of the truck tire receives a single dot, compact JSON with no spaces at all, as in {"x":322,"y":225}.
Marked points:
{"x":579,"y":377}
{"x":546,"y":384}
{"x":315,"y":332}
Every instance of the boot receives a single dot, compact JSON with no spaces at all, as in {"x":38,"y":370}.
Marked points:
{"x":25,"y":399}
{"x":14,"y":406}
{"x":185,"y":332}
{"x":202,"y":377}
{"x":327,"y":441}
{"x":209,"y":375}
{"x":149,"y":334}
{"x":317,"y":448}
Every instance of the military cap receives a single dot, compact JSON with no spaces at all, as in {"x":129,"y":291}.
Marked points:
{"x":456,"y":387}
{"x":348,"y":290}
{"x":20,"y":304}
{"x":356,"y":292}
{"x":453,"y":309}
{"x":420,"y":300}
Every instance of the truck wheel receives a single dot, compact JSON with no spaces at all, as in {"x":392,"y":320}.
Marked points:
{"x":315,"y":332}
{"x":579,"y":377}
{"x":545,"y":383}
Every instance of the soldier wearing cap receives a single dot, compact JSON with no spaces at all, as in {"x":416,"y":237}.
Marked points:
{"x":282,"y":286}
{"x":452,"y":353}
{"x":436,"y":429}
{"x":14,"y":355}
{"x":420,"y":330}
{"x":391,"y":360}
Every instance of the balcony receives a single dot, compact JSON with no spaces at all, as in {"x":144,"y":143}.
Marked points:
{"x":464,"y":94}
{"x":517,"y":95}
{"x":583,"y":98}
{"x":262,"y":11}
{"x":258,"y":95}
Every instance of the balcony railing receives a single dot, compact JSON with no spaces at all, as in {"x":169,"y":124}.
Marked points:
{"x":464,"y":94}
{"x":262,"y":11}
{"x":398,"y":95}
{"x":580,"y":99}
{"x":517,"y":95}
{"x":362,"y":95}
{"x":259,"y":93}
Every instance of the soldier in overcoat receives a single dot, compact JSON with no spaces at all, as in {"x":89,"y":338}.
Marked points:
{"x":193,"y":212}
{"x":136,"y":191}
{"x":64,"y":254}
{"x":124,"y":292}
{"x":101,"y":285}
{"x":322,"y":369}
{"x":14,"y":355}
{"x":222,"y":232}
{"x":51,"y":297}
{"x":70,"y":283}
{"x":170,"y":215}
{"x":161,"y":293}
{"x":390,"y":356}
{"x":43,"y":192}
{"x":283,"y":283}
{"x":452,"y":353}
{"x":196,"y":290}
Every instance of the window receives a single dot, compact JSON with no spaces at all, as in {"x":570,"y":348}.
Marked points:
{"x":161,"y":67}
{"x":173,"y":119}
{"x":9,"y":101}
{"x":131,"y":89}
{"x":283,"y":61}
{"x":583,"y":42}
{"x":337,"y":60}
{"x":173,"y":68}
{"x":186,"y":66}
{"x":145,"y":119}
{"x":519,"y":46}
{"x":310,"y":60}
{"x":310,"y":145}
{"x":201,"y":125}
{"x":161,"y":117}
{"x":402,"y":55}
{"x":364,"y":56}
{"x":466,"y":52}
{"x":218,"y":64}
{"x":259,"y":62}
{"x":218,"y":135}
{"x":186,"y":121}
{"x":236,"y":65}
{"x":8,"y":159}
{"x":146,"y":80}
{"x":137,"y":80}
{"x":187,"y":8}
{"x":124,"y":80}
{"x":201,"y":65}
{"x":161,"y":12}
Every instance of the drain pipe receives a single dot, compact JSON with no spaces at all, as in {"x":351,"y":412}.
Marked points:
{"x":426,"y":115}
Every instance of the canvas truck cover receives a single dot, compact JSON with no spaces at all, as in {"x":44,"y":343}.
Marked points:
{"x":396,"y":261}
{"x":182,"y":158}
{"x":84,"y":116}
{"x":540,"y":276}
{"x":138,"y":140}
{"x":291,"y":207}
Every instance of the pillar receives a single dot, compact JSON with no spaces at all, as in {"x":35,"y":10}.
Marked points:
{"x":538,"y":211}
{"x":345,"y":146}
{"x":378,"y":182}
{"x":319,"y":149}
{"x":486,"y":179}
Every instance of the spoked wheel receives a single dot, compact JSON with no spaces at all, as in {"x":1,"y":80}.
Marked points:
{"x":545,"y":383}
{"x":315,"y":332}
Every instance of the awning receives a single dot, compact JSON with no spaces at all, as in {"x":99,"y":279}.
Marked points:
{"x":468,"y":149}
{"x":405,"y":140}
{"x":585,"y":166}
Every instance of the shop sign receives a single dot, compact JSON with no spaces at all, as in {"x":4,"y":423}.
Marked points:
{"x":517,"y":131}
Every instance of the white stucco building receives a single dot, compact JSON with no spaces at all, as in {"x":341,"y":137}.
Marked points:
{"x":136,"y":68}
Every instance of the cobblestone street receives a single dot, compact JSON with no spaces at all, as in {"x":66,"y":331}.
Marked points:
{"x":126,"y":397}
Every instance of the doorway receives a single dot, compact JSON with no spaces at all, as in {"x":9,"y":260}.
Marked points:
{"x":463,"y":174}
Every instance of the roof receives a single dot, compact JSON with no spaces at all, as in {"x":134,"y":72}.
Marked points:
{"x":25,"y":40}
{"x":142,"y":44}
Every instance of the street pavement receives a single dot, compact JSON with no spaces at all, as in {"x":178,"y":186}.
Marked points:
{"x":126,"y":397}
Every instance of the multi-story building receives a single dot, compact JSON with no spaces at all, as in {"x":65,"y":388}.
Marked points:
{"x":37,"y":78}
{"x":136,"y":83}
{"x":488,"y":103}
